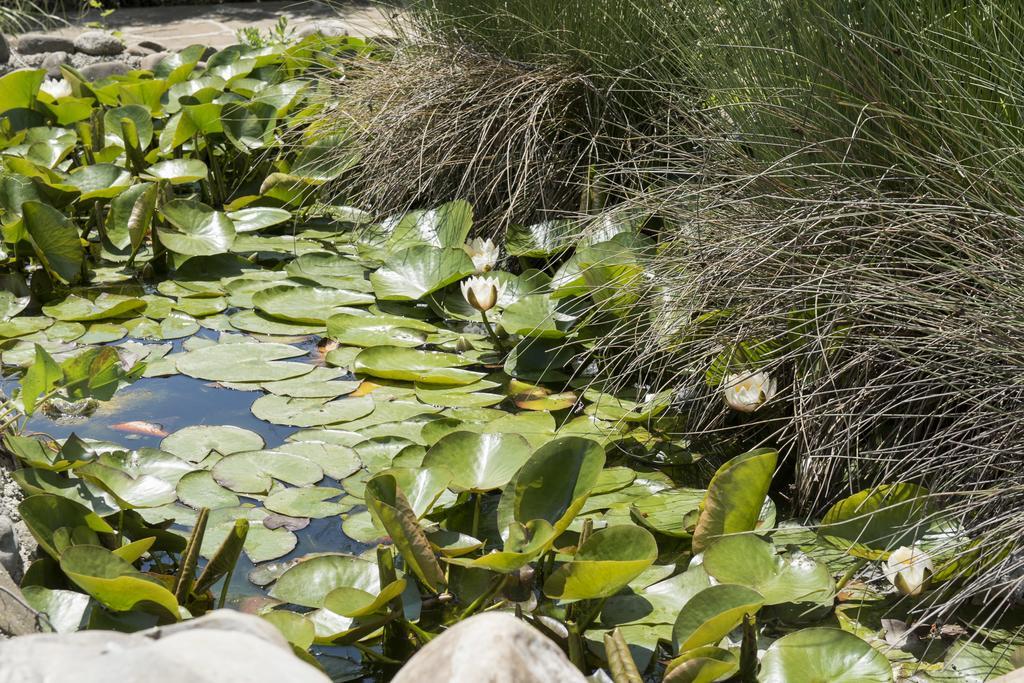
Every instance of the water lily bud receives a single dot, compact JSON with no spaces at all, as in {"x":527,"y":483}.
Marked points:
{"x":483,"y":252}
{"x":481,"y":292}
{"x":56,"y":88}
{"x":747,"y":392}
{"x":909,"y":569}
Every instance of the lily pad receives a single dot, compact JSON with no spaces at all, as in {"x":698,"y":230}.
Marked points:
{"x":103,"y":307}
{"x":255,"y":471}
{"x":245,"y":362}
{"x":310,"y":412}
{"x":310,"y":581}
{"x":199,"y":229}
{"x":306,"y":304}
{"x":337,"y":461}
{"x":749,"y":561}
{"x":427,"y":367}
{"x":306,"y":502}
{"x":420,"y":270}
{"x":823,"y":654}
{"x":710,"y":614}
{"x":378,"y":330}
{"x":604,"y":564}
{"x":200,"y":490}
{"x":198,"y":441}
{"x":479,"y":462}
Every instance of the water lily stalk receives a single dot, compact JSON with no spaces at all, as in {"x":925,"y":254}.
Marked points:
{"x":857,"y":566}
{"x":620,"y":661}
{"x":748,"y":650}
{"x":492,"y":334}
{"x":475,"y":606}
{"x":477,"y":502}
{"x":183,"y":582}
{"x":132,"y":148}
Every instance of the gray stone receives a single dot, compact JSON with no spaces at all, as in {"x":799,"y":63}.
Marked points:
{"x":328,"y":27}
{"x":52,"y":63}
{"x":5,"y":50}
{"x":99,"y":44}
{"x":149,"y":62}
{"x":10,"y":554}
{"x":101,"y":70}
{"x":16,"y":617}
{"x":40,"y":43}
{"x":490,"y":648}
{"x":152,"y":46}
{"x":139,"y":51}
{"x":220,"y":647}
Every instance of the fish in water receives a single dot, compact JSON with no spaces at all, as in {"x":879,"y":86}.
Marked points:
{"x":139,"y":427}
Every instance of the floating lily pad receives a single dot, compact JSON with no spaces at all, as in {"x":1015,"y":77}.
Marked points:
{"x":749,"y":561}
{"x":103,"y":307}
{"x":310,"y":581}
{"x":310,"y":412}
{"x":306,"y":502}
{"x":255,"y":471}
{"x":177,"y":171}
{"x":246,"y":362}
{"x":337,"y":461}
{"x":200,"y":490}
{"x":604,"y":564}
{"x":258,"y":323}
{"x":823,"y":654}
{"x":306,"y":304}
{"x":378,"y":330}
{"x":198,"y":441}
{"x":420,"y":270}
{"x":199,"y":230}
{"x":427,"y":367}
{"x":479,"y":462}
{"x":261,"y":544}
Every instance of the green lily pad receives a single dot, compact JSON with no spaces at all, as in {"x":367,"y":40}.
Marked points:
{"x":199,"y":230}
{"x":99,"y":181}
{"x":378,"y":330}
{"x":261,"y":544}
{"x":245,"y":362}
{"x":200,"y":490}
{"x":196,"y":442}
{"x":56,"y":522}
{"x":306,"y":304}
{"x":256,"y":322}
{"x":255,"y":471}
{"x":103,"y":307}
{"x":735,"y":496}
{"x":420,"y":270}
{"x":143,"y":491}
{"x":666,"y":511}
{"x":177,"y":171}
{"x":604,"y":564}
{"x":297,"y":629}
{"x":823,"y":654}
{"x":310,"y":412}
{"x":872,"y":523}
{"x":55,"y":241}
{"x":310,"y":581}
{"x":114,"y":582}
{"x":337,"y":460}
{"x":749,"y":561}
{"x":427,"y":367}
{"x":658,"y":603}
{"x":306,"y":502}
{"x":257,"y":218}
{"x":479,"y":462}
{"x":710,"y":614}
{"x":459,"y":396}
{"x":320,"y":383}
{"x":541,"y":316}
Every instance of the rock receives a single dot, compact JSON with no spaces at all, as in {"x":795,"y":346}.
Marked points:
{"x":149,"y":62}
{"x":99,"y":44}
{"x":16,"y":617}
{"x":10,"y":554}
{"x":220,"y":647}
{"x":5,"y":50}
{"x":1012,"y":677}
{"x":101,"y":70}
{"x":40,"y":43}
{"x":139,"y":51}
{"x":152,"y":46}
{"x":52,"y":63}
{"x":328,"y":28}
{"x":490,"y":648}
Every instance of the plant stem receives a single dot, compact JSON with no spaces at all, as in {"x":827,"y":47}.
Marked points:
{"x":490,"y":331}
{"x":476,"y":513}
{"x":849,"y":574}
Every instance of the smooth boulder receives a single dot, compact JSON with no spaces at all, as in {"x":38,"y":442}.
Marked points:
{"x":99,"y":44}
{"x":40,"y":43}
{"x":5,"y":50}
{"x":10,"y":554}
{"x":220,"y":647}
{"x":490,"y":648}
{"x":101,"y":70}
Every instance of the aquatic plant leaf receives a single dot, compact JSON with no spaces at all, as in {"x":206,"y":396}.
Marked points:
{"x":310,"y":412}
{"x":872,"y":523}
{"x":478,"y":462}
{"x":310,"y":502}
{"x":245,"y":362}
{"x":113,"y":581}
{"x":55,"y":241}
{"x":254,"y":471}
{"x":710,"y":614}
{"x":420,"y":270}
{"x":604,"y":564}
{"x":749,"y":561}
{"x":427,"y":367}
{"x":195,"y":442}
{"x":306,"y":304}
{"x":735,"y":496}
{"x":823,"y":654}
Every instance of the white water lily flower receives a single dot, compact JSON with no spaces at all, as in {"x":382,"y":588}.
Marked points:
{"x":909,"y":569}
{"x":483,"y":252}
{"x":56,"y":88}
{"x":748,"y":391}
{"x":481,"y":292}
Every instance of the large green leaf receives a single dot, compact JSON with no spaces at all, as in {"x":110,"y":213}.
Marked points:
{"x":541,"y":316}
{"x":710,"y":614}
{"x":310,"y":412}
{"x":55,"y":240}
{"x":478,"y":462}
{"x":103,"y":307}
{"x":604,"y":564}
{"x":254,"y":471}
{"x":199,"y":230}
{"x":378,"y":330}
{"x":428,"y":367}
{"x":312,"y":579}
{"x":197,"y":441}
{"x":306,"y":502}
{"x":306,"y":304}
{"x":420,"y":270}
{"x":57,"y":522}
{"x":874,"y":522}
{"x":143,"y":491}
{"x":245,"y":362}
{"x":735,"y":496}
{"x":391,"y":510}
{"x":823,"y":654}
{"x":177,"y":171}
{"x":541,"y":240}
{"x":750,"y":561}
{"x":701,"y":665}
{"x":554,"y":483}
{"x":114,"y":582}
